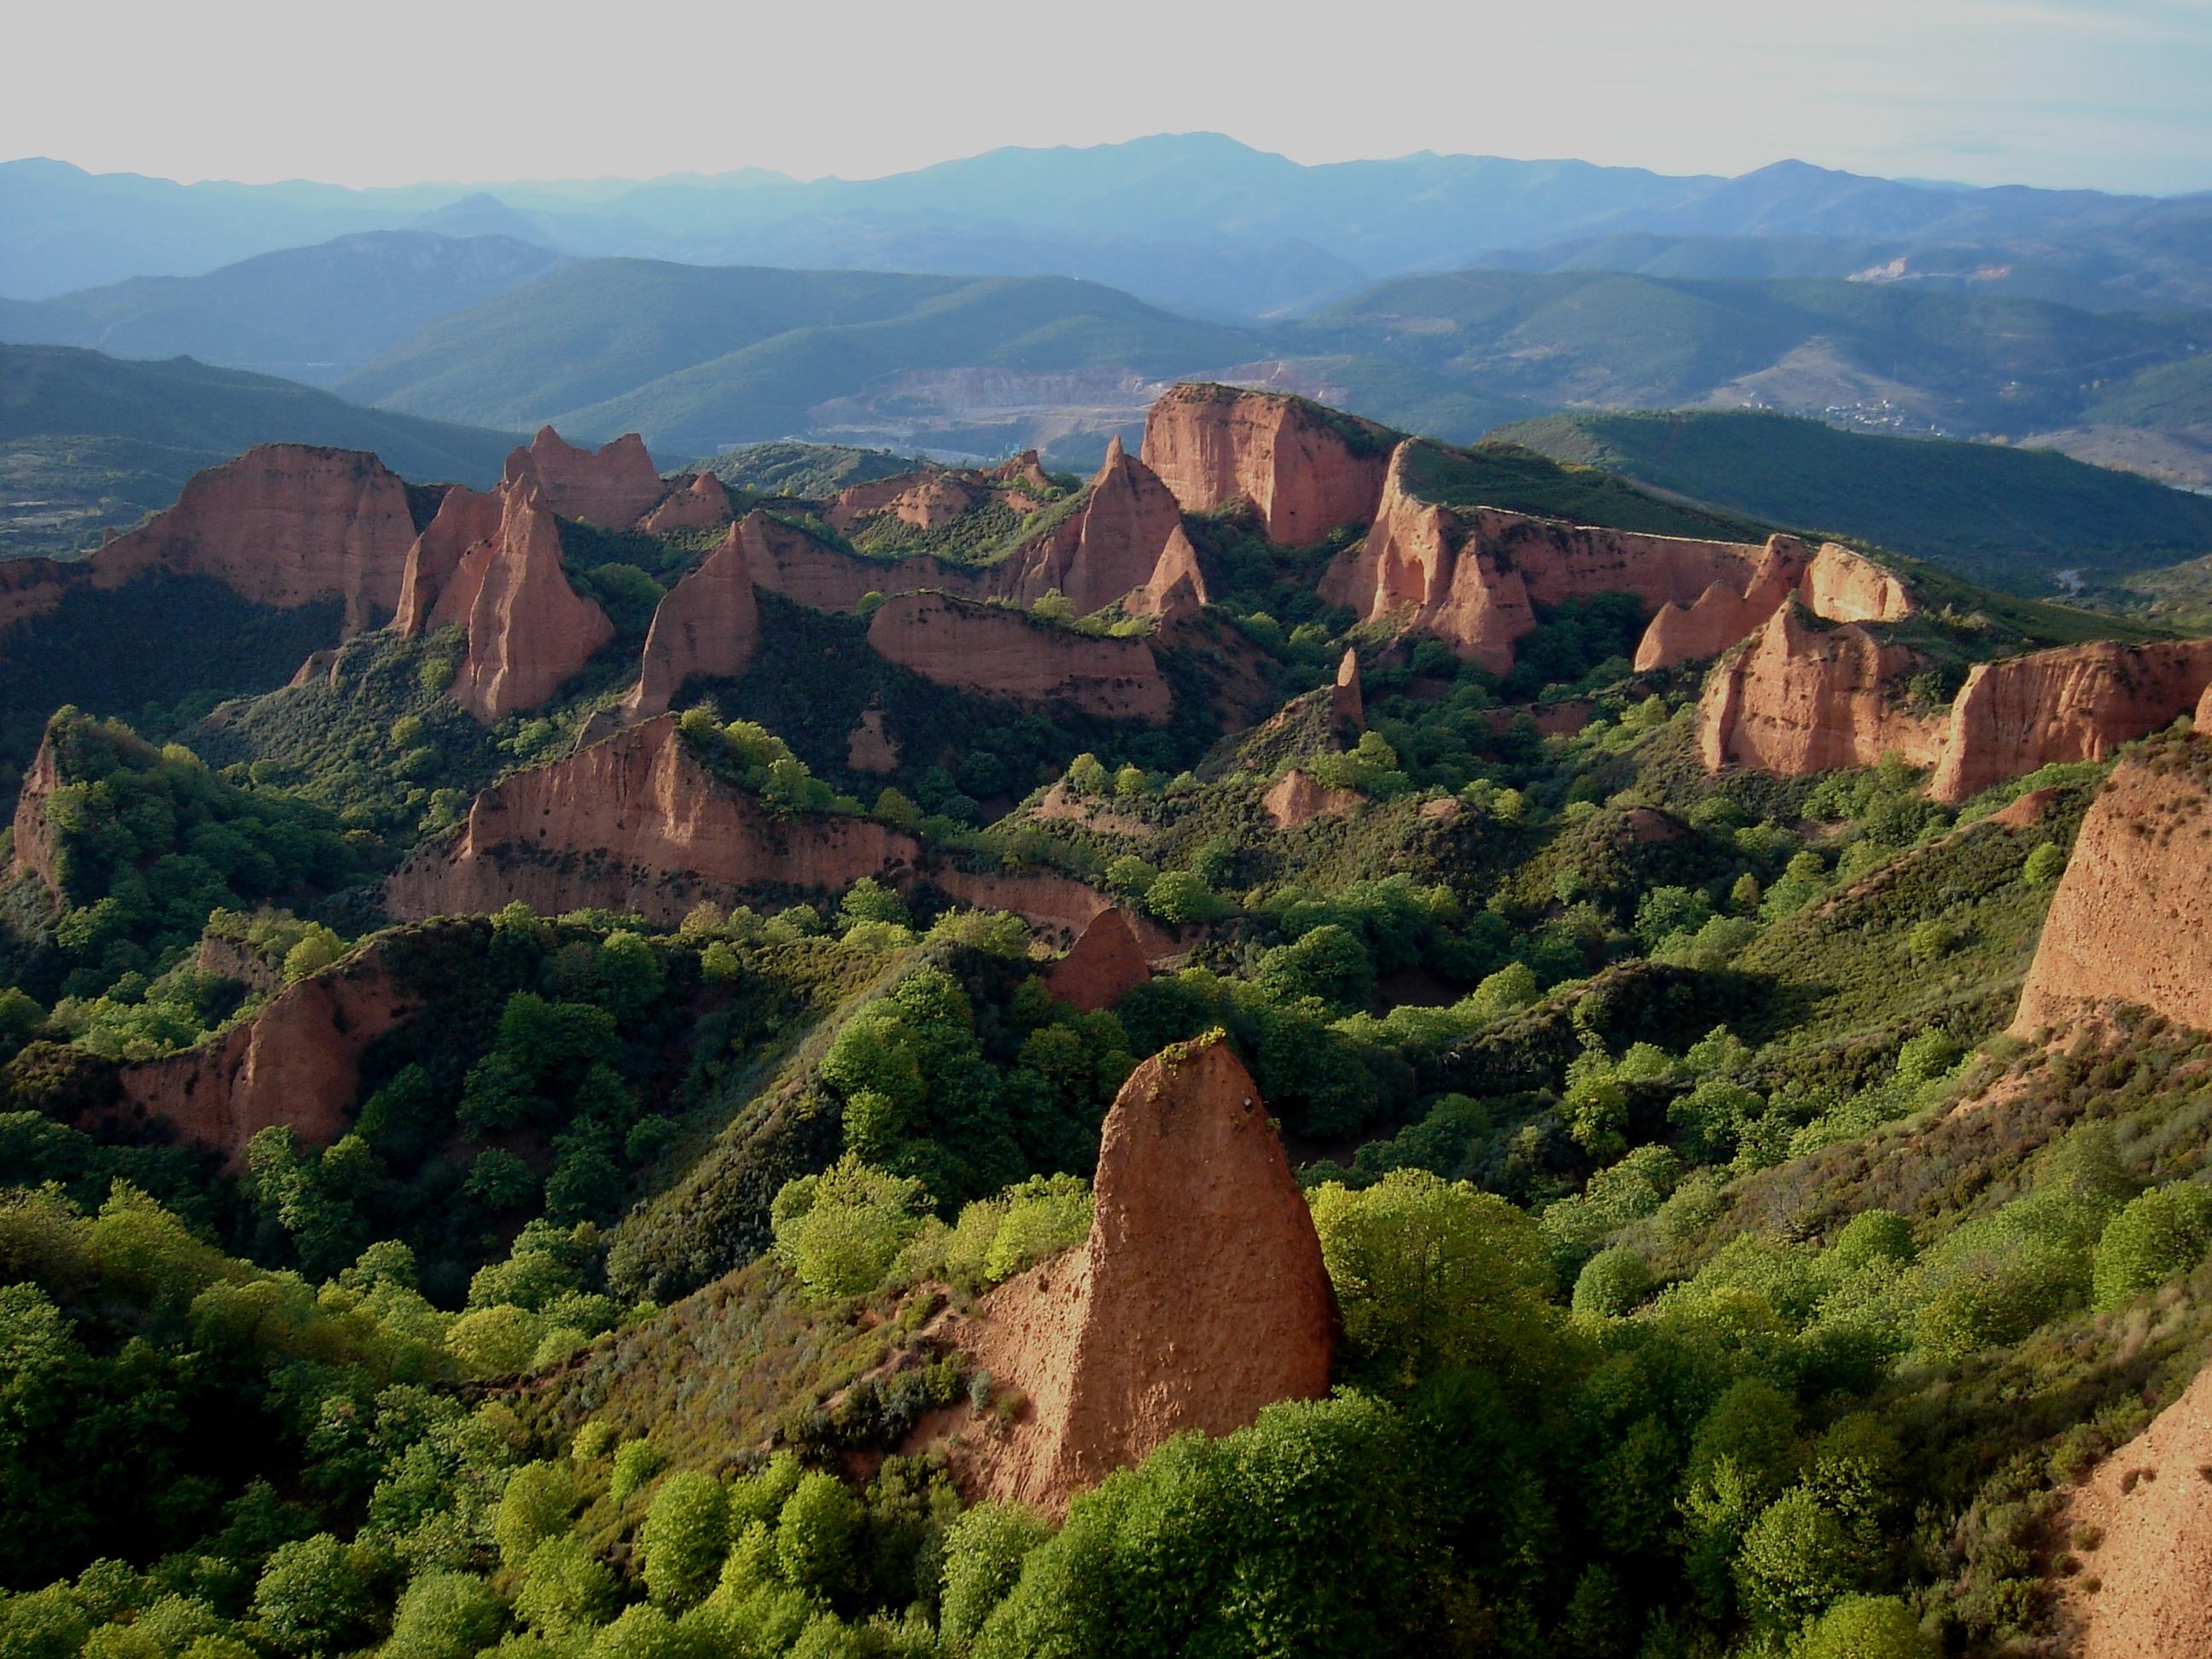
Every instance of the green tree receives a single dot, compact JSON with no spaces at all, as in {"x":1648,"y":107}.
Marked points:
{"x":536,"y":1506}
{"x":446,"y":1615}
{"x":983,"y":1556}
{"x":1612,"y":1283}
{"x":2044,"y":865}
{"x":1432,"y":1273}
{"x":318,"y":1595}
{"x":684,"y":1538}
{"x":840,"y":1230}
{"x":815,"y":1535}
{"x":1867,"y":1627}
{"x":2161,"y":1234}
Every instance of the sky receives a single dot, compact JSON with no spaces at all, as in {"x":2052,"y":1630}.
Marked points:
{"x":2110,"y":95}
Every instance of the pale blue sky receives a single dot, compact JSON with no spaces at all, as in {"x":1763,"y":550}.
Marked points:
{"x":2045,"y":92}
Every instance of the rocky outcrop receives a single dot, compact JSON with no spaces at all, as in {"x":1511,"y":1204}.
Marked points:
{"x":282,"y":525}
{"x":38,"y":848}
{"x":869,"y":747}
{"x":1199,"y":1298}
{"x":297,"y":1063}
{"x":528,"y":629}
{"x":1125,"y":545}
{"x":2132,"y":918}
{"x":1347,"y":711}
{"x":1104,"y":965}
{"x":1843,"y":586}
{"x":707,"y":627}
{"x":466,"y":519}
{"x":1473,"y":578}
{"x":635,"y":823}
{"x":999,"y":652}
{"x":923,"y":499}
{"x":788,"y":560}
{"x":1297,"y":799}
{"x":614,"y":487}
{"x":1799,"y":697}
{"x":2139,"y":1591}
{"x":697,"y":503}
{"x":1306,"y":471}
{"x":2075,"y":704}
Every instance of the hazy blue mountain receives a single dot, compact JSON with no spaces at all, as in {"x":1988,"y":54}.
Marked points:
{"x":1194,"y":219}
{"x":310,"y":313}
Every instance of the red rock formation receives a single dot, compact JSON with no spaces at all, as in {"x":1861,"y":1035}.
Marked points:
{"x":1211,"y":445}
{"x":1003,"y":654}
{"x":285,"y":525}
{"x":1472,"y":578}
{"x":1125,"y":545}
{"x":1199,"y":1298}
{"x":296,"y":1063}
{"x":466,"y":519}
{"x":1104,"y":965}
{"x":317,"y":665}
{"x":707,"y":625}
{"x":30,"y":587}
{"x":868,"y":747}
{"x":812,"y":573}
{"x":634,"y":822}
{"x":1843,"y":586}
{"x":2139,"y":1592}
{"x":37,"y":848}
{"x":615,"y":487}
{"x":2076,"y":703}
{"x":1346,"y":710}
{"x":925,"y":499}
{"x":528,"y":629}
{"x":1297,"y":799}
{"x":2132,"y":918}
{"x":1797,"y":698}
{"x":702,"y":503}
{"x":1024,"y":469}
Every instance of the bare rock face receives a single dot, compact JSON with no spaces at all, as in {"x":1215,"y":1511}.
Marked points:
{"x":635,"y":823}
{"x":528,"y":629}
{"x":870,"y":748}
{"x":925,"y":499}
{"x":1025,"y":470}
{"x":466,"y":519}
{"x":2132,"y":918}
{"x":297,"y":1063}
{"x":707,"y":625}
{"x":1126,"y":544}
{"x":37,"y":847}
{"x":701,"y":503}
{"x":1797,"y":698}
{"x":614,"y":487}
{"x":632,"y":823}
{"x":1347,"y":711}
{"x":284,"y":524}
{"x":1211,"y":445}
{"x":1719,"y":618}
{"x":1297,"y":798}
{"x":1199,"y":1298}
{"x":811,"y":572}
{"x":1003,"y":654}
{"x":1843,"y":586}
{"x":2075,"y":704}
{"x":1104,"y":965}
{"x":1473,"y":578}
{"x":2149,"y":1500}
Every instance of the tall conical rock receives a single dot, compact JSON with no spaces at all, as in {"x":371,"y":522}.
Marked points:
{"x":528,"y":629}
{"x":1199,"y":1298}
{"x":707,"y":626}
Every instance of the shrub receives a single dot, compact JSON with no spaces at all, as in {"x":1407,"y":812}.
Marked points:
{"x":2044,"y":865}
{"x":1612,"y":1283}
{"x":2161,"y":1235}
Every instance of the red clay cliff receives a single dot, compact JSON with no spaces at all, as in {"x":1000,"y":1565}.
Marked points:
{"x":707,"y":625}
{"x":1003,"y":654}
{"x":614,"y":486}
{"x":1307,"y":472}
{"x":1199,"y":1298}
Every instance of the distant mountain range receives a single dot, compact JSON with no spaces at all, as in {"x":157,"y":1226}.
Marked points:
{"x":1195,"y":221}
